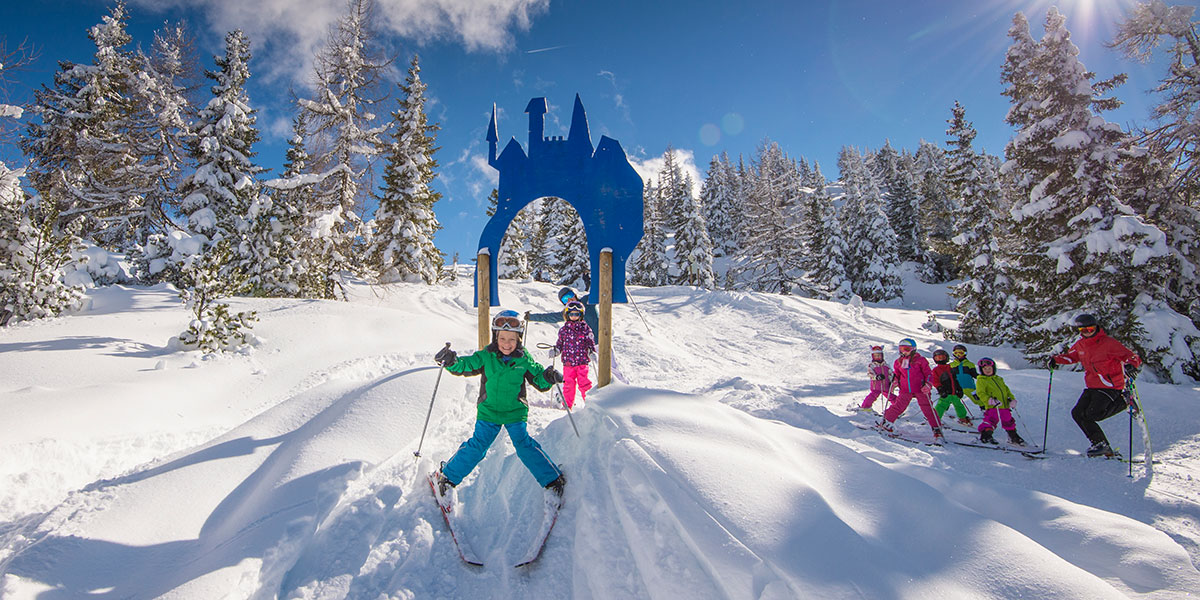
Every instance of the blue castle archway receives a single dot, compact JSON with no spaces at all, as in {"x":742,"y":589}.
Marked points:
{"x":599,"y":184}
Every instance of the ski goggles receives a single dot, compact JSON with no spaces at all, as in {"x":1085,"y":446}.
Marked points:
{"x":1088,"y":329}
{"x":906,"y":349}
{"x":574,"y":305}
{"x":506,"y":323}
{"x":960,"y":353}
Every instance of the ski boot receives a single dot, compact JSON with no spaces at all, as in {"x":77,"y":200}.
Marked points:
{"x":447,"y":495}
{"x":884,"y":426}
{"x":555,"y":488}
{"x":985,"y":437}
{"x":1100,"y":448}
{"x":1015,"y":438}
{"x":938,"y":438}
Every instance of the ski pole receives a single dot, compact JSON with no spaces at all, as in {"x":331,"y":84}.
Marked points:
{"x":1130,"y":411}
{"x":561,"y":398}
{"x":438,"y":382}
{"x":1046,"y":425}
{"x":639,"y":312}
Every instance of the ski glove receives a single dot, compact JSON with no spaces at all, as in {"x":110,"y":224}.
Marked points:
{"x":553,"y":353}
{"x":592,"y":357}
{"x":1133,"y":407}
{"x":925,"y":390}
{"x":1051,"y":363}
{"x":445,"y":357}
{"x":1131,"y":372}
{"x":552,"y":375}
{"x":993,"y":402}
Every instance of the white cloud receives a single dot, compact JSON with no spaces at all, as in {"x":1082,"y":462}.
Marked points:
{"x":651,"y":167}
{"x":287,"y":33}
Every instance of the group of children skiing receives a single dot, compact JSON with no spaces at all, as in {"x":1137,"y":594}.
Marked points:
{"x":1106,"y":362}
{"x":910,"y":377}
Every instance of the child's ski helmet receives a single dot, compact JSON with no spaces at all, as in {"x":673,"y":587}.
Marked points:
{"x":508,"y":320}
{"x":574,"y":307}
{"x":986,"y":362}
{"x":565,"y":294}
{"x":907,"y":342}
{"x":877,"y":350}
{"x":940,"y":356}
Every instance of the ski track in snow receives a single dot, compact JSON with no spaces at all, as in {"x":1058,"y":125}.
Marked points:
{"x":730,"y":472}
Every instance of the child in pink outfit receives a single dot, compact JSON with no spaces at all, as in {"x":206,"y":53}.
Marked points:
{"x":913,"y":379}
{"x":576,"y":344}
{"x":881,"y":379}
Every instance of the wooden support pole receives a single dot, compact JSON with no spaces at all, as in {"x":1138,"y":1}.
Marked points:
{"x":604,"y":356}
{"x":483,"y":282}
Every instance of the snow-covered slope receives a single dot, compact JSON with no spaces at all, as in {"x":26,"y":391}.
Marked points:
{"x":728,"y":468}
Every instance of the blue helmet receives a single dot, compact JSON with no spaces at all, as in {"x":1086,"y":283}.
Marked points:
{"x":907,"y":342}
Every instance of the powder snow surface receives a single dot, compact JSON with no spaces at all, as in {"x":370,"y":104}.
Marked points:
{"x":729,"y":466}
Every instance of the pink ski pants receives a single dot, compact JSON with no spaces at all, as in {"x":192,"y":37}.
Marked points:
{"x":901,"y":402}
{"x":573,"y":377}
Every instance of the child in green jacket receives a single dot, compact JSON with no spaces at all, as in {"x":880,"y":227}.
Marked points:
{"x":996,"y":400}
{"x":506,"y":368}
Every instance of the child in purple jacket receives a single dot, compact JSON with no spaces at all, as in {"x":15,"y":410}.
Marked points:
{"x":576,"y":344}
{"x":881,"y":379}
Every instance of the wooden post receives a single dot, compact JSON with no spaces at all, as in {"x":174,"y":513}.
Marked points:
{"x":483,"y":282}
{"x":604,"y":356}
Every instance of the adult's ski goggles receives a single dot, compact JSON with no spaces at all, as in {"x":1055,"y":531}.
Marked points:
{"x":1088,"y":329}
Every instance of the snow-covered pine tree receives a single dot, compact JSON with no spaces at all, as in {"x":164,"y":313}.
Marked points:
{"x":340,"y":118}
{"x":33,"y":254}
{"x":772,"y":259}
{"x":903,"y":205}
{"x":649,"y":265}
{"x":401,"y":247}
{"x":276,"y":236}
{"x":693,"y":248}
{"x":929,"y":170}
{"x":872,"y":258}
{"x":822,"y":245}
{"x":93,"y":153}
{"x":515,"y":248}
{"x":722,"y":213}
{"x":566,"y":244}
{"x":985,"y":297}
{"x":163,"y":96}
{"x":540,"y":243}
{"x":1084,"y":249}
{"x":218,"y":196}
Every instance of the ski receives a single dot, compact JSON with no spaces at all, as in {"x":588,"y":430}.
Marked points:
{"x":553,"y":503}
{"x":464,"y":552}
{"x":1140,"y":416}
{"x":1027,"y":451}
{"x":894,"y":435}
{"x":1117,"y":457}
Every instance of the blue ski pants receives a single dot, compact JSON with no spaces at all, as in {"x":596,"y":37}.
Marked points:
{"x":473,"y":450}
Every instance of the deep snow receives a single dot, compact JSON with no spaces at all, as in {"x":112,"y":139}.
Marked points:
{"x":728,"y":468}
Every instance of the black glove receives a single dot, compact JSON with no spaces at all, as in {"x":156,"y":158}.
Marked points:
{"x":552,"y":376}
{"x":445,"y":357}
{"x":1131,"y":372}
{"x":1050,"y":364}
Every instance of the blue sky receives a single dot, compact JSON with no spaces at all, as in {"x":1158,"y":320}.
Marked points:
{"x":705,"y":77}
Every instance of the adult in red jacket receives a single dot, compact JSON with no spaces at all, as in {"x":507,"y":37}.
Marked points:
{"x":1104,"y":361}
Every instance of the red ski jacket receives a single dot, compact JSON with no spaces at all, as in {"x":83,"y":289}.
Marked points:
{"x":1103,"y":359}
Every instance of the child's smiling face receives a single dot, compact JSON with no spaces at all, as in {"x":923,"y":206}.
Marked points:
{"x":507,"y":341}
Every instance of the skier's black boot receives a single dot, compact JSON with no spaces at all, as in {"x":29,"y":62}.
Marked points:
{"x":1100,"y":448}
{"x":1015,"y":438}
{"x":985,"y":437}
{"x":556,"y":486}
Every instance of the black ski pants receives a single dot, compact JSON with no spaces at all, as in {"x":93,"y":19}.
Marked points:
{"x":1097,"y":404}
